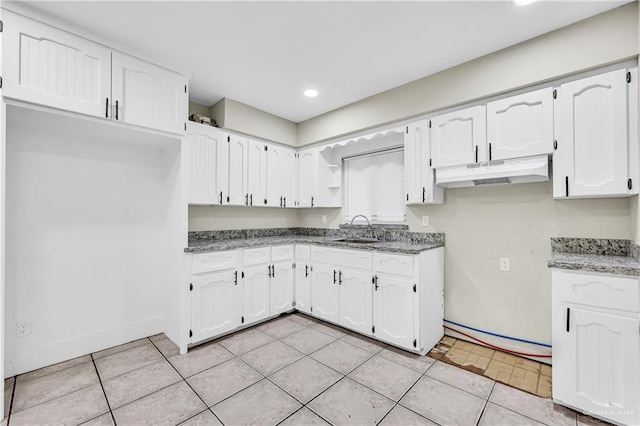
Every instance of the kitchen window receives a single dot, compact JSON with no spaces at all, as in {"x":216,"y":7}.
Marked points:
{"x":374,"y":186}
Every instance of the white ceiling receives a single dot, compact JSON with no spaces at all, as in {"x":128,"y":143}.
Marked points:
{"x":265,"y":54}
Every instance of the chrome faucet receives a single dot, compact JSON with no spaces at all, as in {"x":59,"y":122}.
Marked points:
{"x":369,"y":228}
{"x":365,"y":218}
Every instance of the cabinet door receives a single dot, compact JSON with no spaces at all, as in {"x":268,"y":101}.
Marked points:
{"x":208,"y":160}
{"x":355,"y":300}
{"x":308,"y":171}
{"x":419,"y":177}
{"x":282,"y":287}
{"x":272,"y":182}
{"x":255,"y":293}
{"x":596,"y":363}
{"x":593,"y":137}
{"x":303,"y":287}
{"x":215,"y":304}
{"x":147,"y":95}
{"x":393,"y":310}
{"x":289,"y":177}
{"x":238,"y":154}
{"x":459,"y":137}
{"x":325,"y":292}
{"x":256,"y":173}
{"x":45,"y":66}
{"x":520,"y":126}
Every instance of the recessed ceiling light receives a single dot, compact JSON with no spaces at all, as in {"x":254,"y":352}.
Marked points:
{"x":524,"y":2}
{"x":311,"y":93}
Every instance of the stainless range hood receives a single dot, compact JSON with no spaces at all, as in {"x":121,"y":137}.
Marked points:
{"x":518,"y":170}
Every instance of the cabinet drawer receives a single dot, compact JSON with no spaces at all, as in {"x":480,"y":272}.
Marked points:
{"x":256,"y":256}
{"x":396,"y":264}
{"x":281,"y":253}
{"x":614,"y":292}
{"x":218,"y":261}
{"x":350,"y":258}
{"x":303,"y":252}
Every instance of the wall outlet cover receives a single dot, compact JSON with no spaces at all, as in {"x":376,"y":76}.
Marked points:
{"x":425,"y":220}
{"x":324,"y":219}
{"x":23,"y":328}
{"x":505,"y":264}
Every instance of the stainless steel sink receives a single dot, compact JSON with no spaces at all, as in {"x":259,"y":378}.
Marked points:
{"x":357,"y":240}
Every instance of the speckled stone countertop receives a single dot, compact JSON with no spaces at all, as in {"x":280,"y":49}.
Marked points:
{"x":619,"y":257}
{"x":396,"y":241}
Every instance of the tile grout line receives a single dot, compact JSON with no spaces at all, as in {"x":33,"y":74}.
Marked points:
{"x":13,"y":395}
{"x":185,"y":381}
{"x":93,"y":361}
{"x":484,"y":406}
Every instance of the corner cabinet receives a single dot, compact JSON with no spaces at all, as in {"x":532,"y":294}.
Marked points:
{"x":50,"y":67}
{"x":596,"y":344}
{"x":597,"y":146}
{"x":418,"y":175}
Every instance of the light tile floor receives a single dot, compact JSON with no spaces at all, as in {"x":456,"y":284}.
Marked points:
{"x":292,"y":370}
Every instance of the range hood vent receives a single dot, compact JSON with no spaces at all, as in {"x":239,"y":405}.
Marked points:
{"x":519,"y":170}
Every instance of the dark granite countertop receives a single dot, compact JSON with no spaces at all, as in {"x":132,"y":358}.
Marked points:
{"x":409,"y":244}
{"x":618,"y":257}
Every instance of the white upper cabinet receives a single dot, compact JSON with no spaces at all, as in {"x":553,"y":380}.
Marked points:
{"x":256,"y":173}
{"x":418,"y":174}
{"x":597,"y":143}
{"x":308,"y":172}
{"x":272,"y":180}
{"x":208,"y":158}
{"x":46,"y":66}
{"x":50,"y":67}
{"x":459,"y":137}
{"x":521,"y":125}
{"x":289,"y":177}
{"x":238,"y":155}
{"x":147,"y":95}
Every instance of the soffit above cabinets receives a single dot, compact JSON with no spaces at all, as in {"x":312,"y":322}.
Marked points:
{"x":265,"y":54}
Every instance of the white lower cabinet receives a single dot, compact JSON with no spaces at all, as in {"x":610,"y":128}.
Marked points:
{"x":355,"y":288}
{"x":393,"y":307}
{"x":215,"y":304}
{"x":256,"y":293}
{"x":282,"y":287}
{"x":325,"y":292}
{"x":216,"y":297}
{"x":395,"y":298}
{"x":596,"y":344}
{"x":303,"y":279}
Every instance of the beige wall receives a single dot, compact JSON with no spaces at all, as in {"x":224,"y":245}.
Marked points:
{"x":236,"y":116}
{"x":212,"y":218}
{"x":196,"y":108}
{"x":603,"y":39}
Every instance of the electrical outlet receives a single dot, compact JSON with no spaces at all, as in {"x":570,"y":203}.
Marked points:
{"x":23,"y":328}
{"x":324,"y":219}
{"x":425,"y":220}
{"x":505,"y":264}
